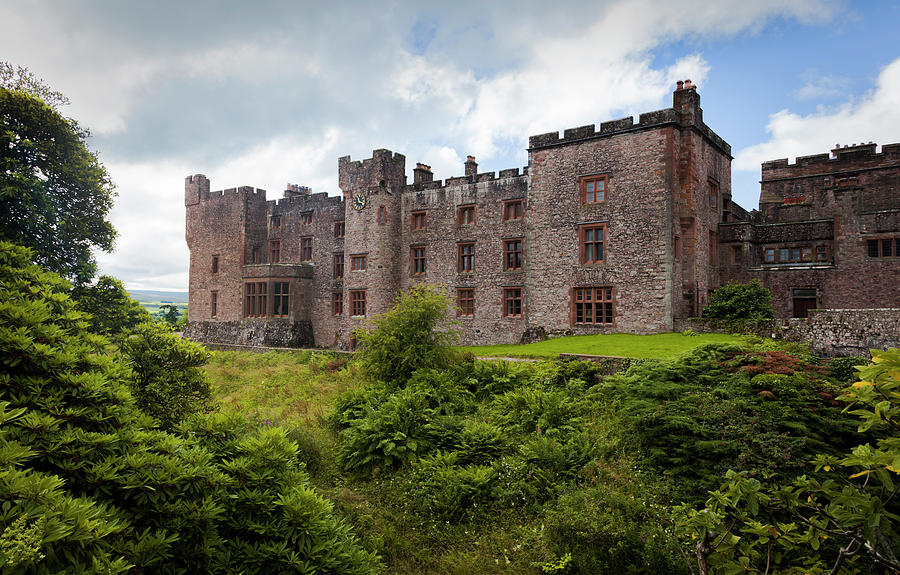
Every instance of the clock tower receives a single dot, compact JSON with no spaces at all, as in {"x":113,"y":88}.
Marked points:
{"x":373,"y":190}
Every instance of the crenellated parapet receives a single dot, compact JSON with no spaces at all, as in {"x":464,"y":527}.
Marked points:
{"x":842,"y":158}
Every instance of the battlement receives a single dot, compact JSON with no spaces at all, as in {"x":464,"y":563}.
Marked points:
{"x":383,"y":168}
{"x":686,"y":112}
{"x":455,"y":181}
{"x":319,"y":200}
{"x":851,"y":157}
{"x":196,"y":190}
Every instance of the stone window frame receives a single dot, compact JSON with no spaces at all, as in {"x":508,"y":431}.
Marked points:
{"x":256,"y":299}
{"x":821,"y":253}
{"x":418,"y":257}
{"x":513,"y":210}
{"x":306,"y":248}
{"x":713,"y":195}
{"x":281,"y":298}
{"x":737,"y":255}
{"x":769,"y":256}
{"x":306,"y":218}
{"x":337,"y":303}
{"x":465,"y":260}
{"x":588,"y":242}
{"x":513,"y":302}
{"x":588,"y":189}
{"x":358,"y":262}
{"x":339,"y":229}
{"x":510,"y":255}
{"x":465,"y":302}
{"x":274,"y":251}
{"x":879,"y":244}
{"x":358,"y":303}
{"x":466,"y":214}
{"x":215,"y":263}
{"x":337,"y":266}
{"x":598,"y":302}
{"x":254,"y":254}
{"x":382,"y":215}
{"x":712,"y":247}
{"x":418,"y":220}
{"x":275,"y":220}
{"x":213,"y":303}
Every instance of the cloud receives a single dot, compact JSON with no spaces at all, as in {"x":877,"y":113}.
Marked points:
{"x":875,"y":117}
{"x":819,"y":86}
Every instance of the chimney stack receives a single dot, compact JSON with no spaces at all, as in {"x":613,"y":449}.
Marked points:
{"x":471,"y":166}
{"x":422,"y":174}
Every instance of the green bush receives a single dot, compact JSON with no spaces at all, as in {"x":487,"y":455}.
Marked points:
{"x":530,"y":409}
{"x":412,"y":335}
{"x":165,"y":377}
{"x":740,"y":301}
{"x":445,"y":491}
{"x":480,"y":442}
{"x":111,"y":309}
{"x":843,"y":369}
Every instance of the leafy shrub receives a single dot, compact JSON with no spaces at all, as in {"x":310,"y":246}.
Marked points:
{"x":480,"y":442}
{"x":843,"y":369}
{"x":740,"y":301}
{"x":410,"y":336}
{"x":166,"y":379}
{"x":111,"y":308}
{"x":532,"y":409}
{"x":446,"y":491}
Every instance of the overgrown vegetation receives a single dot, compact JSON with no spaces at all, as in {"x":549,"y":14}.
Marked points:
{"x":736,"y":301}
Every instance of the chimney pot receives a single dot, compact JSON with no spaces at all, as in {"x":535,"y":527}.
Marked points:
{"x":680,"y":84}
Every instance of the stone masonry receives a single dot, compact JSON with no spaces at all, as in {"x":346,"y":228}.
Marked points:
{"x":627,"y":228}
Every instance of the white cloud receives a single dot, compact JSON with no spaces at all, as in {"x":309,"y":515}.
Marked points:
{"x":875,"y":117}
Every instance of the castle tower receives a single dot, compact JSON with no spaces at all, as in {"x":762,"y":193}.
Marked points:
{"x":373,"y":190}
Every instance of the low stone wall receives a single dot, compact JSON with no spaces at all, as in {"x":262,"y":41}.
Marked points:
{"x":252,"y":333}
{"x":830,"y":332}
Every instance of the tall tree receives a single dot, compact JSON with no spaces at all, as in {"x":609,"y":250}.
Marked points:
{"x":54,"y":193}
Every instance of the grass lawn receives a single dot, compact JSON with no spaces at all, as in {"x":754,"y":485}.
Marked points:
{"x":656,"y":346}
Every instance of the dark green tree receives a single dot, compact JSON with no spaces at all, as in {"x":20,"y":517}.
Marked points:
{"x":111,"y":308}
{"x":740,"y":301}
{"x":166,"y":379}
{"x":412,"y":335}
{"x":54,"y":194}
{"x":169,"y":314}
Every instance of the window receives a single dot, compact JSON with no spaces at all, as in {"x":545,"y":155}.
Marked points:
{"x":713,"y":194}
{"x":255,"y":299}
{"x":512,"y":259}
{"x":418,"y":260}
{"x":513,"y":210}
{"x":466,"y":261}
{"x":872,"y":248}
{"x":338,"y":266}
{"x":337,"y":303}
{"x":713,"y":248}
{"x":281,"y":298}
{"x":465,"y":302}
{"x":769,"y":255}
{"x":213,"y":303}
{"x":306,"y":218}
{"x":339,"y":229}
{"x":821,"y":253}
{"x":382,"y":215}
{"x":592,"y":240}
{"x":592,"y":305}
{"x":466,"y":215}
{"x":274,"y":251}
{"x":276,"y":221}
{"x":737,"y":255}
{"x":886,"y":245}
{"x":512,"y":302}
{"x":358,"y":302}
{"x":358,"y":263}
{"x":254,"y":257}
{"x":419,"y":220}
{"x":215,"y":264}
{"x":306,"y":252}
{"x":593,"y":189}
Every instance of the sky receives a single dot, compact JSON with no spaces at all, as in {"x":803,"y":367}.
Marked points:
{"x":267,"y":93}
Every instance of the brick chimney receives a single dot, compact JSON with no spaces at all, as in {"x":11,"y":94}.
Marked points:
{"x":422,"y":174}
{"x":292,"y":190}
{"x":471,"y":166}
{"x":686,"y":100}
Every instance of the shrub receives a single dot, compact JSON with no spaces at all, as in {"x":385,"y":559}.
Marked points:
{"x":740,"y":301}
{"x":165,"y":377}
{"x":410,"y":336}
{"x":111,"y":308}
{"x":843,"y":369}
{"x":532,"y":409}
{"x":446,"y":491}
{"x":480,"y":442}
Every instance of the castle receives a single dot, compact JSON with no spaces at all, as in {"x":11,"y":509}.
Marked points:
{"x":628,"y":228}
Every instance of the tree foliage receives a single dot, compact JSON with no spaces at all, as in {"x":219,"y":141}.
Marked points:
{"x":54,"y":194}
{"x":842,"y":519}
{"x":740,"y":301}
{"x":411,"y":335}
{"x":18,"y":78}
{"x":89,"y":485}
{"x":111,"y":309}
{"x":165,"y":375}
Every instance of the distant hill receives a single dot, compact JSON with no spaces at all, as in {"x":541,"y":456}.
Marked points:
{"x":153,"y":296}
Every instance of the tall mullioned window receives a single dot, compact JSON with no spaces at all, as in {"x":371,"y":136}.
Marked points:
{"x":419,"y":260}
{"x":512,"y":254}
{"x":281,"y":298}
{"x":512,"y":302}
{"x":465,"y":302}
{"x":466,"y":263}
{"x":255,"y":299}
{"x":338,"y":266}
{"x":306,"y":249}
{"x":593,"y":240}
{"x":274,"y":251}
{"x":358,"y":302}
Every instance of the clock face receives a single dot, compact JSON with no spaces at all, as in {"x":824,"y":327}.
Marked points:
{"x":359,"y":201}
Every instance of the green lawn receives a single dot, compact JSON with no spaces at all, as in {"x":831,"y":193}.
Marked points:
{"x":658,"y":346}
